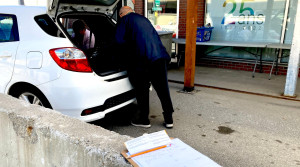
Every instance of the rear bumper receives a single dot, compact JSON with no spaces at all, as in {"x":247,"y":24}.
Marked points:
{"x":101,"y":114}
{"x":109,"y":105}
{"x":74,"y":92}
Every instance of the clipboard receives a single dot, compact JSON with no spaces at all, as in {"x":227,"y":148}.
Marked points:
{"x":182,"y":155}
{"x":124,"y":153}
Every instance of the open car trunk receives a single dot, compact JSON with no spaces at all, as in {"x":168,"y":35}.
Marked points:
{"x":103,"y":58}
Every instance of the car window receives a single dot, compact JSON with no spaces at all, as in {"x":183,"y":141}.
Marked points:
{"x":68,"y":22}
{"x":46,"y":24}
{"x":8,"y":28}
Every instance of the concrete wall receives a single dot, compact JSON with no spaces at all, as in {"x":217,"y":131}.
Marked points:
{"x":32,"y":136}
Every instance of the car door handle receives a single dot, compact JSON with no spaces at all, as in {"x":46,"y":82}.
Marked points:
{"x":5,"y":54}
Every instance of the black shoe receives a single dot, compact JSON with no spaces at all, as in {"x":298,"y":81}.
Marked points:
{"x":138,"y":123}
{"x":168,"y":120}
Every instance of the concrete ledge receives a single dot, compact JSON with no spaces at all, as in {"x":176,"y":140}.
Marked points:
{"x":33,"y":136}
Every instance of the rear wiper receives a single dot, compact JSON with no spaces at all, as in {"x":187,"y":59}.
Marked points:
{"x":72,"y":8}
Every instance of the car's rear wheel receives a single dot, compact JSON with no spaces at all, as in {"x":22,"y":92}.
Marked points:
{"x":32,"y":96}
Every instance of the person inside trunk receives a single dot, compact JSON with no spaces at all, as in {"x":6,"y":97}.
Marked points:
{"x":81,"y":35}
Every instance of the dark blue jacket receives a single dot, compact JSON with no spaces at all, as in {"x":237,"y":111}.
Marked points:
{"x":142,"y":42}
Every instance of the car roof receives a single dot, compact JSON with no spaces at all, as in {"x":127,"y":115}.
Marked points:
{"x":20,"y":10}
{"x":27,"y":27}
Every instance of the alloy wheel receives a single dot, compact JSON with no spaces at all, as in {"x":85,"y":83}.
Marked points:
{"x":30,"y":98}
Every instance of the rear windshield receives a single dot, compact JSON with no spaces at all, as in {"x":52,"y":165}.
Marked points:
{"x":46,"y":24}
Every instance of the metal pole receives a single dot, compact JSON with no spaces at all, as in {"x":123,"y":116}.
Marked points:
{"x":286,"y":11}
{"x":293,"y":66}
{"x":146,"y":9}
{"x":177,"y":23}
{"x":287,"y":4}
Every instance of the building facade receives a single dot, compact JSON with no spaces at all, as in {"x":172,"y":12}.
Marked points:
{"x":243,"y":21}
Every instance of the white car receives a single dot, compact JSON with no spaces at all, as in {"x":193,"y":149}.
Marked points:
{"x":40,"y":63}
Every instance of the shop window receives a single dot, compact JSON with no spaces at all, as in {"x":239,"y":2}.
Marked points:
{"x":246,"y":20}
{"x":162,"y":14}
{"x":249,"y":21}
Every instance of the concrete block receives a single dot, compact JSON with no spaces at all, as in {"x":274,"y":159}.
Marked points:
{"x":33,"y":136}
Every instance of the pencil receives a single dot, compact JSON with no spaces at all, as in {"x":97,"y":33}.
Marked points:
{"x":144,"y":152}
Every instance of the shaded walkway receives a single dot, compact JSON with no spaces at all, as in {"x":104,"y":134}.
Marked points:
{"x":236,"y":80}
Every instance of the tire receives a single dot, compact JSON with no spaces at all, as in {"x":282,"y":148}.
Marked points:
{"x":31,"y":95}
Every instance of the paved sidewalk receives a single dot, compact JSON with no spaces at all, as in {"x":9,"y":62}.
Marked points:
{"x":236,"y":80}
{"x":234,"y":129}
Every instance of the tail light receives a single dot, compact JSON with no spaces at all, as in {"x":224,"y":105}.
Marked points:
{"x":87,"y":112}
{"x":71,"y":59}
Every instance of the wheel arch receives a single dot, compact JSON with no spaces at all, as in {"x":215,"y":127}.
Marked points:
{"x":23,"y":86}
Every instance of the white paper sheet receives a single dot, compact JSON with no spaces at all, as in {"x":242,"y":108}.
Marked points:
{"x":148,"y":141}
{"x":178,"y":154}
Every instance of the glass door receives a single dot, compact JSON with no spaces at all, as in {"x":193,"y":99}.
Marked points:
{"x":162,"y":14}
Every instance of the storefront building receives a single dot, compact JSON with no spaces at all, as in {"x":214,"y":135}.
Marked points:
{"x":244,"y":21}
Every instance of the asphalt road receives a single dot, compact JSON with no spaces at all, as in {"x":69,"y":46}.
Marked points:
{"x":233,"y":129}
